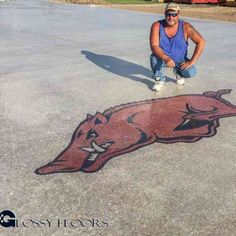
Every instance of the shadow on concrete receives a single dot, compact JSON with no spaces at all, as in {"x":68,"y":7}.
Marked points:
{"x":120,"y":67}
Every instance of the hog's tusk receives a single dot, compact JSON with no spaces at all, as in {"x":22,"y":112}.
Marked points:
{"x":185,"y":122}
{"x":93,"y":156}
{"x":88,"y":149}
{"x":97,"y":148}
{"x":107,"y":144}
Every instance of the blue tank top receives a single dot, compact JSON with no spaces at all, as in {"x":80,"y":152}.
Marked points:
{"x":175,"y":47}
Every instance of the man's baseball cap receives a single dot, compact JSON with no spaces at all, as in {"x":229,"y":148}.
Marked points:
{"x":172,"y":6}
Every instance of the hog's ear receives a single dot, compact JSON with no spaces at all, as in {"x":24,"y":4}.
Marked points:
{"x":99,"y":118}
{"x":224,"y":91}
{"x":89,"y":117}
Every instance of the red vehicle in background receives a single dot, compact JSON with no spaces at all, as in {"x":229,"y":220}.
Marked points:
{"x":197,"y":1}
{"x":229,"y":3}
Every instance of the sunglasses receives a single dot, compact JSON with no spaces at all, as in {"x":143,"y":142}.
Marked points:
{"x":168,"y":14}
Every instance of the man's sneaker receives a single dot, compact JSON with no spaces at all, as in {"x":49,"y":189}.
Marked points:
{"x":179,"y":80}
{"x":158,"y":85}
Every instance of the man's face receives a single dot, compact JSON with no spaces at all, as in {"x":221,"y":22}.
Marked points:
{"x":171,"y":17}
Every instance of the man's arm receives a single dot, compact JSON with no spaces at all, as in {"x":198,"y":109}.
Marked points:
{"x":195,"y":36}
{"x":154,"y":44}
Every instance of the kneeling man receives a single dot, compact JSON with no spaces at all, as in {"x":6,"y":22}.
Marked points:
{"x":169,"y":45}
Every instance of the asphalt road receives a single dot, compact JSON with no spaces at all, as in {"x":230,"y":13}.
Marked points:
{"x":60,"y":62}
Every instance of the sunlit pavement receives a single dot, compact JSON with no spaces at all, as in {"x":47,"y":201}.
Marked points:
{"x":60,"y":62}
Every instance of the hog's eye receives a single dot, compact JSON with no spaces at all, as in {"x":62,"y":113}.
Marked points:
{"x":192,"y":110}
{"x":92,"y":134}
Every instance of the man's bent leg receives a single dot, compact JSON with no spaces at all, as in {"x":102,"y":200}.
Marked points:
{"x":157,"y":65}
{"x":188,"y":73}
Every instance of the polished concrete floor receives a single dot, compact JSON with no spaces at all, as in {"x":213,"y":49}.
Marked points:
{"x":60,"y":62}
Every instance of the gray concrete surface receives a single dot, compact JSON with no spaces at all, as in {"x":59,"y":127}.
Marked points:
{"x":60,"y":62}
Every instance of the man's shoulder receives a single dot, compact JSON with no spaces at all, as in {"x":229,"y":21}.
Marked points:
{"x":156,"y":24}
{"x":186,"y":25}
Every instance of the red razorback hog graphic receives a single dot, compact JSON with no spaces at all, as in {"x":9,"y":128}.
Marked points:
{"x":125,"y":128}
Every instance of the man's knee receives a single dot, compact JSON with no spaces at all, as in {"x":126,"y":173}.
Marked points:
{"x":156,"y":63}
{"x":190,"y":72}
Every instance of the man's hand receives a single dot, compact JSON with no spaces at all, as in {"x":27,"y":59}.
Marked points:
{"x":169,"y":62}
{"x":185,"y":65}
